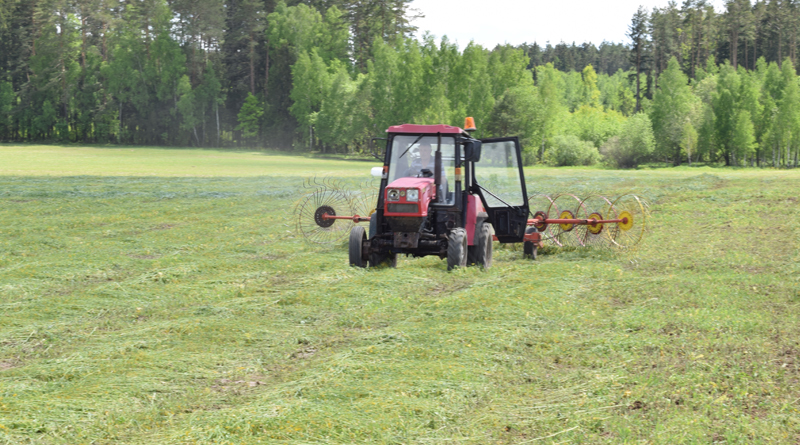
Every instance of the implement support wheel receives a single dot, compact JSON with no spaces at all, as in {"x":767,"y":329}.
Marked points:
{"x":529,"y":249}
{"x":357,"y":238}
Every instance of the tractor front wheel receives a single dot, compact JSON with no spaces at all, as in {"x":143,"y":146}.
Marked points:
{"x":357,"y":238}
{"x":481,"y":252}
{"x":456,"y":248}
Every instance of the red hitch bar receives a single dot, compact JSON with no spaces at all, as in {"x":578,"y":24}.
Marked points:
{"x":354,"y":218}
{"x":580,"y":222}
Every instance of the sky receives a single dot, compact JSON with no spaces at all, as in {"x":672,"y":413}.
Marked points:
{"x":493,"y":22}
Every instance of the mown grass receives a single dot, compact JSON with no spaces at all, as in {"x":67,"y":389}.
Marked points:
{"x":142,"y":301}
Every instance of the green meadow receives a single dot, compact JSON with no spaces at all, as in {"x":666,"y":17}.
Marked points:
{"x":163,"y":296}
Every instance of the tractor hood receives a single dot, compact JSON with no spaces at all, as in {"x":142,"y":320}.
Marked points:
{"x":409,"y":196}
{"x":419,"y":183}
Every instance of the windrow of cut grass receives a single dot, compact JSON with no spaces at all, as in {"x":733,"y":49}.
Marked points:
{"x":173,"y":307}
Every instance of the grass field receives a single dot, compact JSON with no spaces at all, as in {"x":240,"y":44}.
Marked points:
{"x":162,"y":296}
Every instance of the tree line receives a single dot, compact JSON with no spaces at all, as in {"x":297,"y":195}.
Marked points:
{"x":691,"y":85}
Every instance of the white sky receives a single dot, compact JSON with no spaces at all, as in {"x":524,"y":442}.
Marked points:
{"x":492,"y":22}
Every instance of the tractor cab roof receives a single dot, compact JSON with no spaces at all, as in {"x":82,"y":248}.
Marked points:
{"x":426,"y":129}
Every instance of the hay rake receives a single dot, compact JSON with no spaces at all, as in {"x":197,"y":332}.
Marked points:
{"x":331,"y":207}
{"x":595,"y":221}
{"x":444,"y":193}
{"x":319,"y":213}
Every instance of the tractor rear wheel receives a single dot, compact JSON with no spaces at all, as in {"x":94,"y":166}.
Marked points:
{"x":456,"y":248}
{"x":357,"y":238}
{"x":481,"y":252}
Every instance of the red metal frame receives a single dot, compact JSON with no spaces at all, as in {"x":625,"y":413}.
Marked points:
{"x":580,"y":222}
{"x":354,"y":218}
{"x":531,"y":222}
{"x":426,"y":129}
{"x":474,"y":206}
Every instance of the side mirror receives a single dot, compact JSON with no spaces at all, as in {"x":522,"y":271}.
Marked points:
{"x":472,"y":151}
{"x":376,"y":172}
{"x":373,"y":149}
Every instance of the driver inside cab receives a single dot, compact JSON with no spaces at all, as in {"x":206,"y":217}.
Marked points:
{"x":425,"y":161}
{"x":424,"y":165}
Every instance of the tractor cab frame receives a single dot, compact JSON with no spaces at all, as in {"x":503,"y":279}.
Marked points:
{"x":445,"y":193}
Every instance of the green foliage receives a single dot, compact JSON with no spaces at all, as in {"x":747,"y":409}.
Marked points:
{"x":689,"y":141}
{"x":591,"y":94}
{"x":310,"y":85}
{"x":616,"y":92}
{"x":572,"y":90}
{"x":7,"y":102}
{"x":569,"y":150}
{"x":250,"y":117}
{"x":469,"y":86}
{"x":673,"y":106}
{"x":595,"y":125}
{"x":554,"y":113}
{"x":743,"y":140}
{"x":508,"y":68}
{"x":787,"y":121}
{"x":329,"y":75}
{"x":635,"y":143}
{"x":519,"y":113}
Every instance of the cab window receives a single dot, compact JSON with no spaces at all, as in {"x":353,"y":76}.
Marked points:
{"x":413,"y":156}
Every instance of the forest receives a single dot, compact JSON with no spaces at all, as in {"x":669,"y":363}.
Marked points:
{"x":691,"y":84}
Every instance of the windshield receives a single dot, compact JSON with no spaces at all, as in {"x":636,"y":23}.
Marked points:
{"x":413,"y":156}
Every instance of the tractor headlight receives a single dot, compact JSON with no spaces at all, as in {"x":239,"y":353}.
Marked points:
{"x":393,"y":195}
{"x":412,"y":195}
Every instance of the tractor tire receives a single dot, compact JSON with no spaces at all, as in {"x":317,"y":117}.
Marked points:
{"x":376,"y":259}
{"x":529,"y":249}
{"x":481,"y":252}
{"x":456,"y":248}
{"x":357,"y":238}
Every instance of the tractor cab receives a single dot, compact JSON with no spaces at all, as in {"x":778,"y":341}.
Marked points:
{"x":444,"y":193}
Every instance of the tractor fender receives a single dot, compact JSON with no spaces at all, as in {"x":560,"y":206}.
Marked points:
{"x":476,"y":214}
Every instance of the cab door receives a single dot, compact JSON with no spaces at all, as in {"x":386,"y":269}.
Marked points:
{"x":499,"y":180}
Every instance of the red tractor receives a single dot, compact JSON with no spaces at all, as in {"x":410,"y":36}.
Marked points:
{"x":441,"y":193}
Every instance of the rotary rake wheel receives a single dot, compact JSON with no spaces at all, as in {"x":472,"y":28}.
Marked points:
{"x":595,"y":221}
{"x":364,"y":199}
{"x":596,"y":207}
{"x":632,"y":213}
{"x":312,"y":212}
{"x":327,"y":198}
{"x":568,"y":206}
{"x":324,"y":214}
{"x":542,"y":207}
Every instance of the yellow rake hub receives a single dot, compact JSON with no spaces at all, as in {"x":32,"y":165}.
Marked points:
{"x":595,"y":228}
{"x":566,"y":214}
{"x":627,"y":220}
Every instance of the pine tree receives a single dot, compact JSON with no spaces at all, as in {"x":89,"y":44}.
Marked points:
{"x":637,"y":32}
